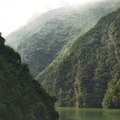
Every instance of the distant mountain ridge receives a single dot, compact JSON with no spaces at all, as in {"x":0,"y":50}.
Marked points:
{"x":46,"y":40}
{"x":89,"y":76}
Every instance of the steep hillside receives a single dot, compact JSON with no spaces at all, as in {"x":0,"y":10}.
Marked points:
{"x":21,"y":97}
{"x":45,"y":41}
{"x":90,"y":75}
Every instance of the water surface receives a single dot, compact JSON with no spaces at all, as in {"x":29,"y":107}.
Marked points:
{"x":66,"y":113}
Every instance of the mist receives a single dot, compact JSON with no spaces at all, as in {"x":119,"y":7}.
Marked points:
{"x":15,"y":14}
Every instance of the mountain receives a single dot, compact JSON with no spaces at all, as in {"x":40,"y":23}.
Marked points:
{"x":21,"y":97}
{"x":89,"y":76}
{"x":44,"y":41}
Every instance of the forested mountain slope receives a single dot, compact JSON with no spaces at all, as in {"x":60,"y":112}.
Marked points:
{"x":21,"y":97}
{"x":90,"y":75}
{"x":45,"y":41}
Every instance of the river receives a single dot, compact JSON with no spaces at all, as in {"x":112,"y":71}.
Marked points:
{"x":70,"y":113}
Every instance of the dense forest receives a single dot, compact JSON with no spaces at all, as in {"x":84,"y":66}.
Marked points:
{"x":44,"y":41}
{"x":81,"y":68}
{"x":89,"y":76}
{"x":22,"y":97}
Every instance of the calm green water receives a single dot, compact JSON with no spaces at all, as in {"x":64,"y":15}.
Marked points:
{"x":87,"y":114}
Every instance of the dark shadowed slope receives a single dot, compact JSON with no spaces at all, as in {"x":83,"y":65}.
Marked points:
{"x":21,"y":97}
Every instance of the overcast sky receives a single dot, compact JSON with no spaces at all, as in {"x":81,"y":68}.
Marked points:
{"x":15,"y":13}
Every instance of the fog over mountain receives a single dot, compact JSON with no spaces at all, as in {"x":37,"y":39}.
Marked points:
{"x":15,"y":14}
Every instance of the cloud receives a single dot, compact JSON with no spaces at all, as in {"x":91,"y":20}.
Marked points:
{"x":15,"y":13}
{"x":78,"y":2}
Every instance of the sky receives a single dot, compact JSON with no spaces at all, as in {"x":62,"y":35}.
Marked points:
{"x":15,"y":13}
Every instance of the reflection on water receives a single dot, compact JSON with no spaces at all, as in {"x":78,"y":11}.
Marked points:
{"x":66,"y":113}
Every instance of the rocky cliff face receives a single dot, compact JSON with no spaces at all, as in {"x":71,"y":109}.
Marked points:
{"x":89,"y":75}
